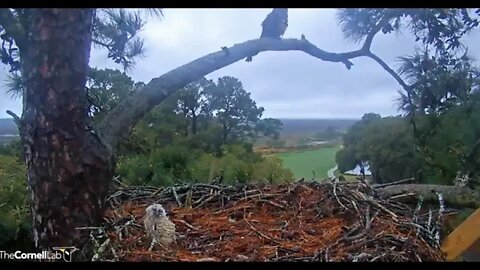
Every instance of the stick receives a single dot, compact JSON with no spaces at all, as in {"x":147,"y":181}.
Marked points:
{"x":260,"y":233}
{"x":187,"y":224}
{"x":395,"y":183}
{"x":335,"y":193}
{"x":176,"y":197}
{"x":272,"y":203}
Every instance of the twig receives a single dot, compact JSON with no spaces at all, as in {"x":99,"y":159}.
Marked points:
{"x":439,"y":217}
{"x":260,"y":233}
{"x":401,"y":195}
{"x":205,"y":201}
{"x":272,"y":203}
{"x":394,"y":183}
{"x":187,"y":224}
{"x":335,"y":193}
{"x":115,"y":179}
{"x":176,"y":197}
{"x":100,"y":250}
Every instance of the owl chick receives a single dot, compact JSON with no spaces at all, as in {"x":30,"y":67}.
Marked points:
{"x":158,"y":226}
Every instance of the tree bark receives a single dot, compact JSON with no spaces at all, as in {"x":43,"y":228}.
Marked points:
{"x":68,"y":165}
{"x":453,"y":195}
{"x":194,"y":122}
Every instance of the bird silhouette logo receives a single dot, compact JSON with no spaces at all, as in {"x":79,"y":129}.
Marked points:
{"x":67,"y":252}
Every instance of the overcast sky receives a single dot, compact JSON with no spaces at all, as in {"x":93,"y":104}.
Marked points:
{"x":286,"y":84}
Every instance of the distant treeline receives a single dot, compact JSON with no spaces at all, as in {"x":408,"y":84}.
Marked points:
{"x":306,"y":127}
{"x":7,"y":126}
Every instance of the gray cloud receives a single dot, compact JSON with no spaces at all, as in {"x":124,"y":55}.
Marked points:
{"x":286,"y":84}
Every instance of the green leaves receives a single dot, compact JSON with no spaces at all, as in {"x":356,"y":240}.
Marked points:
{"x":14,"y":85}
{"x":117,"y":30}
{"x":269,"y":127}
{"x":437,"y":82}
{"x":385,"y":143}
{"x":356,"y":23}
{"x":441,"y":28}
{"x":14,"y":216}
{"x":106,"y":89}
{"x":233,"y":108}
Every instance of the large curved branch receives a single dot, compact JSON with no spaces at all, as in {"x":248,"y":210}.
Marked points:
{"x":453,"y":195}
{"x":119,"y":122}
{"x":406,"y":87}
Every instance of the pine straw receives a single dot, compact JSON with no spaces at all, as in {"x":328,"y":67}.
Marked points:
{"x":306,"y":221}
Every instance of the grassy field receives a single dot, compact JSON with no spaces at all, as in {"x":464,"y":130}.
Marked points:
{"x":303,"y":163}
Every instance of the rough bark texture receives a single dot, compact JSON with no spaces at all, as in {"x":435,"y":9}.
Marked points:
{"x":69,"y":168}
{"x":453,"y":195}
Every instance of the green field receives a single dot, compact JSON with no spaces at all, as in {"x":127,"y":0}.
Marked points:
{"x":303,"y":163}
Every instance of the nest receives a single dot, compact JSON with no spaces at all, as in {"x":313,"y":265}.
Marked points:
{"x":303,"y":221}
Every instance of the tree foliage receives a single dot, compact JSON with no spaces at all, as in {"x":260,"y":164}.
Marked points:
{"x":106,"y":88}
{"x":385,"y":143}
{"x":37,"y":32}
{"x":233,"y":108}
{"x":15,"y":223}
{"x":439,"y":27}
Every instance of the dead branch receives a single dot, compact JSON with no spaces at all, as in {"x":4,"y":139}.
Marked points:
{"x":118,"y":123}
{"x":452,"y":195}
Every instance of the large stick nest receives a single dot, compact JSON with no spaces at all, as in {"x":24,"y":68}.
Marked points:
{"x":304,"y":221}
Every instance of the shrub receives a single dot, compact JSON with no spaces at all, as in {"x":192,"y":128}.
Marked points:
{"x":271,"y":170}
{"x":14,"y":217}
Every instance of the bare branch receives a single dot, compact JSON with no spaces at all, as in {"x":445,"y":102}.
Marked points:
{"x":15,"y":117}
{"x":453,"y":195}
{"x":406,"y":87}
{"x":119,"y":122}
{"x":12,"y":26}
{"x":98,"y":42}
{"x":392,"y":13}
{"x":389,"y":70}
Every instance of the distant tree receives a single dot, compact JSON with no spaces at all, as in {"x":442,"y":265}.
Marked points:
{"x":192,"y":103}
{"x":346,"y":159}
{"x":385,"y":143}
{"x":106,"y":89}
{"x":276,"y":143}
{"x":271,"y":170}
{"x":370,"y":117}
{"x":329,"y":134}
{"x":234,"y":109}
{"x":269,"y":127}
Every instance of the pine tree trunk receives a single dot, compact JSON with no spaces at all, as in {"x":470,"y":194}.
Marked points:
{"x":68,"y":167}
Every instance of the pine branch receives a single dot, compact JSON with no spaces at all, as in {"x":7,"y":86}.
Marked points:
{"x":12,"y":26}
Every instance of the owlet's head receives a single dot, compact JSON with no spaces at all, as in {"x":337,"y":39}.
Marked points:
{"x":156,"y":210}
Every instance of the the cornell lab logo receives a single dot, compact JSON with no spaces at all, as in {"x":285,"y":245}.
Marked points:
{"x":67,"y":252}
